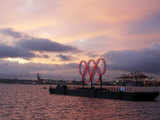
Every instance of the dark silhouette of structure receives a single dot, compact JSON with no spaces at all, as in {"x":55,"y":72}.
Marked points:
{"x":39,"y":79}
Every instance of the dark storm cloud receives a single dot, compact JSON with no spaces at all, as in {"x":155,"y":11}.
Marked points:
{"x":37,"y":44}
{"x":26,"y":45}
{"x":45,"y":45}
{"x":65,"y":57}
{"x":149,"y":24}
{"x":145,"y":60}
{"x":14,"y":52}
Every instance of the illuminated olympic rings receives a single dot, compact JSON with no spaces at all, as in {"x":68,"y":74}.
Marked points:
{"x":92,"y":71}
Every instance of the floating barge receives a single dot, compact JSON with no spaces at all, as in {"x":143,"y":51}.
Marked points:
{"x":119,"y":92}
{"x":105,"y":93}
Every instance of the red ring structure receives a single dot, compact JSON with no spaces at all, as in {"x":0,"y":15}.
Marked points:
{"x":92,"y":71}
{"x":104,"y":63}
{"x":84,"y":71}
{"x":83,"y":62}
{"x":99,"y":71}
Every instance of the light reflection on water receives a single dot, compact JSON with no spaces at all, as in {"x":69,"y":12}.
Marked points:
{"x":32,"y":102}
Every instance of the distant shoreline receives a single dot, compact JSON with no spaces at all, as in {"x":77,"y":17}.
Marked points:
{"x":15,"y":81}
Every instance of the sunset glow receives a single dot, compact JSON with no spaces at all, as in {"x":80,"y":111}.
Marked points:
{"x":45,"y":32}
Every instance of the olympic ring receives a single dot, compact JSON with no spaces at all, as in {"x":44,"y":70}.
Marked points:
{"x":92,"y":70}
{"x":104,"y":67}
{"x":82,"y":62}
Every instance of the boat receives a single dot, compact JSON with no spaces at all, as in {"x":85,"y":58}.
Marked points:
{"x":85,"y":68}
{"x":113,"y":93}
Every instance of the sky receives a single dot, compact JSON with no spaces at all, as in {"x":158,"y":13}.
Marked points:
{"x":52,"y":36}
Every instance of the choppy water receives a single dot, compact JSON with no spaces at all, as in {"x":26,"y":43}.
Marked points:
{"x":32,"y":102}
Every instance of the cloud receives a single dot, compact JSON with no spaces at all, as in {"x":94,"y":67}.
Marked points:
{"x":14,"y":52}
{"x":91,"y":54}
{"x":45,"y":45}
{"x":65,"y":57}
{"x":11,"y":32}
{"x":66,"y":19}
{"x":149,"y":24}
{"x":144,"y":60}
{"x":25,"y":46}
{"x":42,"y":56}
{"x":37,"y":44}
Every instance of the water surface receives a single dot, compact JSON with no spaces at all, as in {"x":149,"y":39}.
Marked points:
{"x":32,"y":102}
